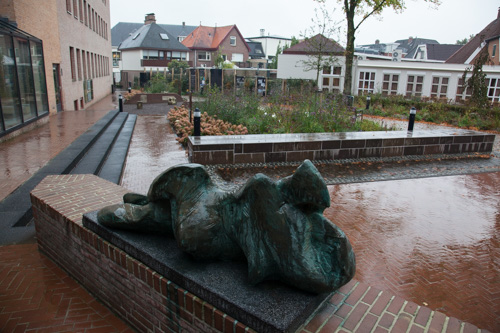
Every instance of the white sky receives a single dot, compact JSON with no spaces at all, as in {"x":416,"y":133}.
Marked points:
{"x":452,"y":20}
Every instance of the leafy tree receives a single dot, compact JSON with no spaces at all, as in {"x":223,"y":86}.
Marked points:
{"x":176,"y":64}
{"x":464,"y":41}
{"x":294,"y":41}
{"x":477,"y":81}
{"x":219,"y":59}
{"x":274,"y":61}
{"x":321,"y":48}
{"x":365,"y":9}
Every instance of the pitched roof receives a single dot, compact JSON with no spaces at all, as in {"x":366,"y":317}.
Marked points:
{"x":492,"y":30}
{"x":122,"y":30}
{"x":441,"y":51}
{"x":209,"y":38}
{"x":308,"y":46}
{"x":152,"y":36}
{"x":410,"y":45}
{"x":256,"y":50}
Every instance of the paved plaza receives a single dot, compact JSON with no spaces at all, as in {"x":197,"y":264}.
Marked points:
{"x":424,"y":230}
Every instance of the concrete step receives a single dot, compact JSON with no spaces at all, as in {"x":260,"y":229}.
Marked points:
{"x":15,"y":210}
{"x":93,"y":160}
{"x":112,"y":168}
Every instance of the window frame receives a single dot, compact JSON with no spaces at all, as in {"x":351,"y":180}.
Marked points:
{"x":232,"y":40}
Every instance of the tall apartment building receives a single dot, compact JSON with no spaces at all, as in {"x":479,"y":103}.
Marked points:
{"x":76,"y":40}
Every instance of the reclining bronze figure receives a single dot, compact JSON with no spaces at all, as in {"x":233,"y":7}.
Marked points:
{"x":278,"y":227}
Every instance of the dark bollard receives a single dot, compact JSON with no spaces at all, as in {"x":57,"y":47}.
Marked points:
{"x":120,"y":103}
{"x":350,"y":100}
{"x":413,"y":113}
{"x":197,"y":122}
{"x":190,"y":106}
{"x":368,"y":99}
{"x":129,"y":86}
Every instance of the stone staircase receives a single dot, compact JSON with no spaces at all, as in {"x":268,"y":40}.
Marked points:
{"x":101,"y":151}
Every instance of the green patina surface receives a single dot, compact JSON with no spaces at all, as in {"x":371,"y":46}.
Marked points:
{"x":278,"y":226}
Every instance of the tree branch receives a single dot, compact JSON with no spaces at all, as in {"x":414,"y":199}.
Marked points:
{"x":375,"y":9}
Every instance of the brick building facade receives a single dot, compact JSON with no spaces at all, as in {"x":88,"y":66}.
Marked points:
{"x":76,"y":47}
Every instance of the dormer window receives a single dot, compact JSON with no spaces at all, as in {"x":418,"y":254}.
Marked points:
{"x":232,"y":40}
{"x":181,"y":38}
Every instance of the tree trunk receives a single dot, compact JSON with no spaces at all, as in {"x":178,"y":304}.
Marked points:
{"x":349,"y":52}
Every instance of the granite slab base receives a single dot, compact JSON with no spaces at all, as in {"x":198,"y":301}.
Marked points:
{"x":267,"y":307}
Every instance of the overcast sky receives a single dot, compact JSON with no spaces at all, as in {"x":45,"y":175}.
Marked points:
{"x":452,"y":20}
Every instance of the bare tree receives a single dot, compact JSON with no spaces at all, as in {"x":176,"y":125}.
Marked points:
{"x":320,"y":48}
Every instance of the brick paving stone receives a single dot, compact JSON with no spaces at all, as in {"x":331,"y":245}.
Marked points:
{"x":60,"y":304}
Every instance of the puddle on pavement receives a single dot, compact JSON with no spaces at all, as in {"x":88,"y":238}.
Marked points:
{"x":433,"y":241}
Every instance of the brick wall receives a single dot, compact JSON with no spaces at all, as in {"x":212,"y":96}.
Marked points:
{"x":331,"y":146}
{"x":144,"y":299}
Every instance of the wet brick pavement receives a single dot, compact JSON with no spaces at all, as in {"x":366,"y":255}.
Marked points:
{"x":413,"y":229}
{"x":433,"y":241}
{"x":37,"y":296}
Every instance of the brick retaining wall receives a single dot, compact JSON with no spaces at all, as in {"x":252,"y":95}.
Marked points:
{"x":151,"y":303}
{"x":235,"y":149}
{"x":141,"y":297}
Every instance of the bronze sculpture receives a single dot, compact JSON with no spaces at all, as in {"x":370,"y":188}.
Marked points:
{"x":278,"y":226}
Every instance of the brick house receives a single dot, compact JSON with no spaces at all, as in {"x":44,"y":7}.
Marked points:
{"x":204,"y":43}
{"x":488,"y":38}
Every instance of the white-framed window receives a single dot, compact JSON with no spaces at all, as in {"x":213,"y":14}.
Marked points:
{"x":493,"y":89}
{"x":331,"y":78}
{"x":232,"y":40}
{"x":366,"y":83}
{"x":237,"y":57}
{"x":181,"y":38}
{"x":203,"y":56}
{"x":150,"y":54}
{"x":414,"y":85}
{"x":439,"y":87}
{"x":179,"y":55}
{"x":390,"y":84}
{"x":462,"y":94}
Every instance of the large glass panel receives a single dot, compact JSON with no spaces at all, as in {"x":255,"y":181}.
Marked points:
{"x":39,"y":78}
{"x":11,"y":108}
{"x":25,"y":75}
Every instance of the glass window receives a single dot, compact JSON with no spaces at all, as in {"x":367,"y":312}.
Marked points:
{"x":439,"y":87}
{"x":390,"y":84}
{"x":25,"y":77}
{"x":414,"y":85}
{"x":202,"y":55}
{"x":232,"y":40}
{"x":42,"y":103}
{"x":366,"y":84}
{"x":11,"y":106}
{"x":237,"y":57}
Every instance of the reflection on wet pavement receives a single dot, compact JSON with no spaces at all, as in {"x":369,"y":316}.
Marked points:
{"x":433,"y":241}
{"x":153,"y":149}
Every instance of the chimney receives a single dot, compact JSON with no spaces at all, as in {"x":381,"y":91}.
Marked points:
{"x":183,"y":24}
{"x":377,"y":42}
{"x":498,"y":15}
{"x":150,"y":18}
{"x":262,"y":32}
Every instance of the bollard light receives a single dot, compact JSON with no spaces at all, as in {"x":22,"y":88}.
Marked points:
{"x":413,"y":113}
{"x":197,"y":122}
{"x":120,"y":103}
{"x":368,"y":99}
